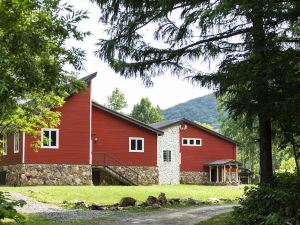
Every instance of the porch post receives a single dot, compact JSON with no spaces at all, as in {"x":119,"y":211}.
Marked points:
{"x":230,"y":172}
{"x":217,"y":174}
{"x":237,"y":173}
{"x":210,"y":174}
{"x":224,"y":171}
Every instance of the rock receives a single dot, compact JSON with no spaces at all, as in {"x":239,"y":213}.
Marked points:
{"x":162,"y":199}
{"x":151,"y":200}
{"x":174,"y":201}
{"x":156,"y":206}
{"x":127,"y":201}
{"x":81,"y":204}
{"x":191,"y":201}
{"x":214,"y":200}
{"x":96,"y":206}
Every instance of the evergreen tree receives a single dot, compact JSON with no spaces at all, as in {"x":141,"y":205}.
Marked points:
{"x":256,"y":41}
{"x":116,"y":101}
{"x":145,"y":112}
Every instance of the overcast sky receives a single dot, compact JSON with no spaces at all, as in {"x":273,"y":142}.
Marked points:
{"x":167,"y":90}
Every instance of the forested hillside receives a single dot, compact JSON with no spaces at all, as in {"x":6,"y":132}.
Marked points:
{"x":202,"y":109}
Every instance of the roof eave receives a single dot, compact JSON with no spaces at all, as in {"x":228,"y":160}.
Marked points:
{"x":139,"y":123}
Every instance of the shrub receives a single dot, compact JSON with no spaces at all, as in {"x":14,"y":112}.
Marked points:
{"x":276,"y":204}
{"x":7,"y":208}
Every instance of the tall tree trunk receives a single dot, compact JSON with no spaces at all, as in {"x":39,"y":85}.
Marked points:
{"x":265,"y":153}
{"x":265,"y":138}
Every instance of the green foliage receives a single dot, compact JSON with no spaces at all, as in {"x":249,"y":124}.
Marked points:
{"x":116,"y":101}
{"x":287,"y":166}
{"x":202,"y":109}
{"x":270,"y":205}
{"x":7,"y":208}
{"x":33,"y":58}
{"x":145,"y":112}
{"x":208,"y":126}
{"x":222,"y":219}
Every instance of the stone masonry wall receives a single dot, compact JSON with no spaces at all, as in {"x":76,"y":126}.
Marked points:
{"x":48,"y":174}
{"x":193,"y":177}
{"x":146,"y":175}
{"x":169,"y":171}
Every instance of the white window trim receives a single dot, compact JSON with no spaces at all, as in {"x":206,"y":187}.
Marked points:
{"x":170,"y":158}
{"x":16,"y":147}
{"x":57,"y":138}
{"x":4,"y":141}
{"x":188,"y":140}
{"x":136,"y":138}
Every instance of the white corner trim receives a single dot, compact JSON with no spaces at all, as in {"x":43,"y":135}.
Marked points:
{"x":23,"y":148}
{"x":137,"y":138}
{"x":91,"y":143}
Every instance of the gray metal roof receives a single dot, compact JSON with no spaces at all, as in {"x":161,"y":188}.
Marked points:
{"x":222,"y":162}
{"x":89,"y":77}
{"x":122,"y":116}
{"x":164,"y":124}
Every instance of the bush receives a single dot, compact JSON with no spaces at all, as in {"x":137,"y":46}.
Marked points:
{"x":7,"y":208}
{"x":276,"y":204}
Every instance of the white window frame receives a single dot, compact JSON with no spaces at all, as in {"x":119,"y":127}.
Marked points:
{"x":136,"y":139}
{"x":169,"y":156}
{"x":188,"y":142}
{"x":16,"y":142}
{"x":57,"y":138}
{"x":4,"y":144}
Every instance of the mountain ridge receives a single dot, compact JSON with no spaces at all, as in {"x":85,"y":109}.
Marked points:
{"x":202,"y":109}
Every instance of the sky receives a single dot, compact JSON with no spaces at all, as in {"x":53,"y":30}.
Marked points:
{"x":167,"y":91}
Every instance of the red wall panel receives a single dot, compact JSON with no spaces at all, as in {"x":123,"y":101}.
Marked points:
{"x":74,"y":134}
{"x":12,"y":158}
{"x":213,"y":148}
{"x":113,"y":135}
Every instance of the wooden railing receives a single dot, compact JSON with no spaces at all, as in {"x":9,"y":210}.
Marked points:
{"x":116,"y":166}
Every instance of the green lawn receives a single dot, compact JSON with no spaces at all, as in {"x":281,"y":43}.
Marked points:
{"x":217,"y":220}
{"x":112,"y":194}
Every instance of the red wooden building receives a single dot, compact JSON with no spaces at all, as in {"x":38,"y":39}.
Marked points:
{"x":204,"y":155}
{"x":95,"y":144}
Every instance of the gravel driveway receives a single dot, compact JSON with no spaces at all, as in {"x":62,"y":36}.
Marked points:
{"x":180,"y":216}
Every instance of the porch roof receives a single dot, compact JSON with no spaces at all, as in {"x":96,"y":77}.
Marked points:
{"x":222,"y":162}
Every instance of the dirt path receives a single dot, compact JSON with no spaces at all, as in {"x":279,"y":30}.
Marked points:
{"x":180,"y":216}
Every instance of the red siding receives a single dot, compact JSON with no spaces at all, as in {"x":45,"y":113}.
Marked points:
{"x":74,"y":135}
{"x":12,"y":158}
{"x":113,"y":135}
{"x":213,"y":148}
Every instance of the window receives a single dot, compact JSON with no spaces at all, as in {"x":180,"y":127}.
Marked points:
{"x":136,"y":144}
{"x":167,"y":156}
{"x":191,"y":142}
{"x":16,"y":142}
{"x":49,"y":138}
{"x":4,"y":144}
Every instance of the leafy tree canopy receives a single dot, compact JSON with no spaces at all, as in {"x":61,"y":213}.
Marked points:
{"x":116,"y":101}
{"x":33,"y":58}
{"x":145,"y":112}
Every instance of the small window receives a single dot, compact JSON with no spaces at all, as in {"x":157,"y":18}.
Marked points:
{"x":49,"y":138}
{"x":4,"y":144}
{"x":16,"y":142}
{"x":136,"y":144}
{"x":167,"y":156}
{"x":191,"y":142}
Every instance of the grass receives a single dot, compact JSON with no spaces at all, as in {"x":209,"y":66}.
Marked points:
{"x":217,"y":220}
{"x":107,"y":195}
{"x":38,"y":220}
